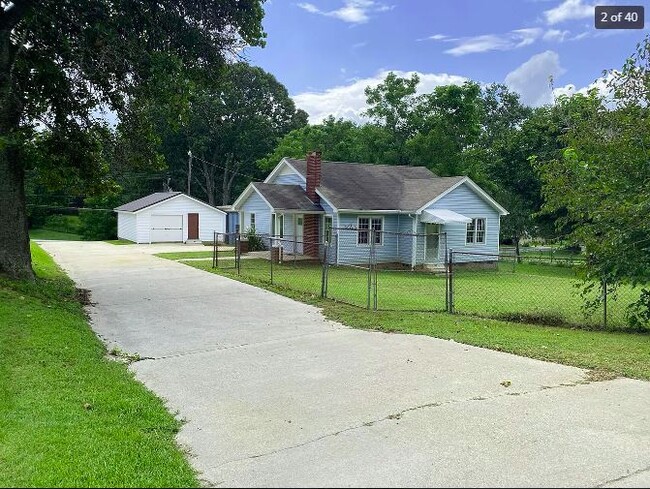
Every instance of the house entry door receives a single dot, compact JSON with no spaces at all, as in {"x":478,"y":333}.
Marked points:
{"x":300,"y":223}
{"x":432,"y":243}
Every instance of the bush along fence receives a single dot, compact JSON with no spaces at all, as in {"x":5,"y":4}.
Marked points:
{"x":401,"y":271}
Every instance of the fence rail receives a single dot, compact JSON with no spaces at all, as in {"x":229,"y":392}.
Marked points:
{"x":392,"y":271}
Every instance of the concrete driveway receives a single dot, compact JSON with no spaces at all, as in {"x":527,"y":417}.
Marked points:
{"x":275,"y":395}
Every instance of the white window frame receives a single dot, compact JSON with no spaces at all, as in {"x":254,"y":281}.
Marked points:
{"x":472,"y":228}
{"x":280,"y":225}
{"x":252,"y":221}
{"x":370,"y":228}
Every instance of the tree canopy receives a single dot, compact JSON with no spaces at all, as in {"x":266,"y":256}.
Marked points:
{"x":60,"y":61}
{"x":601,"y":181}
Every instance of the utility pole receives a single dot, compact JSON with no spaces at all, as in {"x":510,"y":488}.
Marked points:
{"x":189,"y":171}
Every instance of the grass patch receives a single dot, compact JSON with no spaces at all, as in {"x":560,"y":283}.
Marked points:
{"x":70,"y":417}
{"x":608,"y":353}
{"x":119,"y":242}
{"x":181,"y":255}
{"x":533,"y":293}
{"x":53,"y":235}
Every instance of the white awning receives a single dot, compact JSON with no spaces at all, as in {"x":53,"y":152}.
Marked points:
{"x":443,"y":216}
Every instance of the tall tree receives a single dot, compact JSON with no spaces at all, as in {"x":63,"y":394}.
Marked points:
{"x":232,"y":128}
{"x":338,"y":140}
{"x":602,"y":181}
{"x":61,"y":60}
{"x":449,"y":123}
{"x":393,"y":105}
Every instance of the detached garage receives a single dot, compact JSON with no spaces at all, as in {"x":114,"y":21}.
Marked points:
{"x":167,"y":217}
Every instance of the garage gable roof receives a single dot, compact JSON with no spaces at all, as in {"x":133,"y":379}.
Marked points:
{"x":157,"y":198}
{"x":147,"y":201}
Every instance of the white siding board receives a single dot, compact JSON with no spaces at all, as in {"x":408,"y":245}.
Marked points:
{"x":255,"y":204}
{"x":126,"y":226}
{"x":210,"y":220}
{"x":351,"y":253}
{"x":287,"y":176}
{"x":465,"y":201}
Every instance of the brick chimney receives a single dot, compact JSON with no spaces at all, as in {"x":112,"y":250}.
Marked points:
{"x":313,"y":175}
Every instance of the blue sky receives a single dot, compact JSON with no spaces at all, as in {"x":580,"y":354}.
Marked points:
{"x":326,"y":51}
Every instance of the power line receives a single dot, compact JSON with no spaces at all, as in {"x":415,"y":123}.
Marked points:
{"x":61,"y":207}
{"x":224,"y":168}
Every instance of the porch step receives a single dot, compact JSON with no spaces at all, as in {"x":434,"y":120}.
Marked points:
{"x":435,"y":267}
{"x":193,"y":242}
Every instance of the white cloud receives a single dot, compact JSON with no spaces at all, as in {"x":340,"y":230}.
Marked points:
{"x":437,"y":37}
{"x":532,"y":79}
{"x":352,"y":11}
{"x":496,"y":42}
{"x":555,"y":35}
{"x":601,"y":84}
{"x":569,"y":10}
{"x":349,"y":101}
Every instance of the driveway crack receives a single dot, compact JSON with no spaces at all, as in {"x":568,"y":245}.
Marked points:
{"x":623,"y":477}
{"x":398,"y":415}
{"x":218,"y":348}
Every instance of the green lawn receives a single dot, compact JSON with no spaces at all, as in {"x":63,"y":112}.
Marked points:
{"x":55,"y":235}
{"x":69,"y":416}
{"x":119,"y":242}
{"x":608,"y":353}
{"x":525,"y":292}
{"x":181,"y":255}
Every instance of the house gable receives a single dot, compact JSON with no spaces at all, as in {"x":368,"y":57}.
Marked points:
{"x":285,"y":174}
{"x":181,"y":197}
{"x":467,"y":182}
{"x":254,"y":203}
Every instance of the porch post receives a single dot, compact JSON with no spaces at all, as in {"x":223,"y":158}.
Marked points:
{"x":414,"y":244}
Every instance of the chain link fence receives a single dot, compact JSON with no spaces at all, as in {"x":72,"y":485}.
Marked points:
{"x":401,"y":271}
{"x":534,"y":289}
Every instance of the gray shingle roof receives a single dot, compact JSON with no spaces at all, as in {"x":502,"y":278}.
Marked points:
{"x":287,"y":197}
{"x":149,"y":200}
{"x":377,"y":187}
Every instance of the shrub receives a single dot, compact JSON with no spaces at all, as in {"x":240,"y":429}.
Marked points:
{"x":62,"y":223}
{"x":255,"y":242}
{"x":98,"y":225}
{"x":98,"y":222}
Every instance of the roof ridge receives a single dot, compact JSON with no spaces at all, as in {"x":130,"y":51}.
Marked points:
{"x":361,"y":163}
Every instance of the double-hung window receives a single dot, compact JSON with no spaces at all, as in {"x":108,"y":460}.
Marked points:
{"x":476,"y":231}
{"x":253,"y":221}
{"x":367,"y":224}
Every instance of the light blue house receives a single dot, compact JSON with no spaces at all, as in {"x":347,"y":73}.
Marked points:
{"x":413,"y":216}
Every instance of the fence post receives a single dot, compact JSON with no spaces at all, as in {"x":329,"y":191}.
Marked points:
{"x":214,"y":249}
{"x":446,"y":280}
{"x":238,"y":252}
{"x":271,"y":257}
{"x":323,"y":283}
{"x":604,"y":304}
{"x":217,"y":252}
{"x":369,"y":270}
{"x":374,"y":268}
{"x":451,"y":281}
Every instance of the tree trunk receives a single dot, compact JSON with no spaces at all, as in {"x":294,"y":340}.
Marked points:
{"x":225,"y":190}
{"x":15,"y":257}
{"x":229,"y":179}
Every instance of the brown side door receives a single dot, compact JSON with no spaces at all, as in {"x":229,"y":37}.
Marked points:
{"x":192,"y":226}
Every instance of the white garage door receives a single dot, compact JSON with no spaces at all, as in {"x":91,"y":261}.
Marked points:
{"x":166,"y":228}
